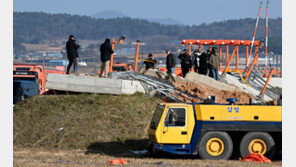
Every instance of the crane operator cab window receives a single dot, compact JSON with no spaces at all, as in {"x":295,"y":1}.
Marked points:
{"x":175,"y":117}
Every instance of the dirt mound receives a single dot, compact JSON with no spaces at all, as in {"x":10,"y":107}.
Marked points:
{"x":203,"y":91}
{"x":82,"y":121}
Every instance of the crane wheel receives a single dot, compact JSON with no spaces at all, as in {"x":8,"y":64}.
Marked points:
{"x":151,"y":151}
{"x":257,"y":142}
{"x":215,"y":145}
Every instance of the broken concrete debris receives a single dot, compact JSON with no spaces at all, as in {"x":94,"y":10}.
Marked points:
{"x":194,"y":87}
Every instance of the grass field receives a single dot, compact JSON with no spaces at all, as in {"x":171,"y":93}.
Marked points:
{"x":83,"y":121}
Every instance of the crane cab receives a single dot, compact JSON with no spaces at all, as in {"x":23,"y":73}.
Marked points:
{"x":172,"y":124}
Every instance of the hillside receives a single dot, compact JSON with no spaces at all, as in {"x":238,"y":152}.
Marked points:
{"x":107,"y":14}
{"x":84,"y":121}
{"x":36,"y":27}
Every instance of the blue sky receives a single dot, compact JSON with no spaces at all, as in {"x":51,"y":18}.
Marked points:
{"x":186,"y":11}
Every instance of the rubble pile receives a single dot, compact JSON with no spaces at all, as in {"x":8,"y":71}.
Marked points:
{"x":203,"y":91}
{"x":203,"y":86}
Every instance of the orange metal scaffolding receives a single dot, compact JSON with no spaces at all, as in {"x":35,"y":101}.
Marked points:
{"x":227,"y":43}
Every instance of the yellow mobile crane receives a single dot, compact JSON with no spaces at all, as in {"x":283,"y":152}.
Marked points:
{"x":214,"y":130}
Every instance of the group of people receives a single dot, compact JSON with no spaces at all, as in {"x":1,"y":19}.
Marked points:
{"x":72,"y":54}
{"x":203,"y":63}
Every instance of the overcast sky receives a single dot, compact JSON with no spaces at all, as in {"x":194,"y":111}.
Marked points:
{"x":185,"y":11}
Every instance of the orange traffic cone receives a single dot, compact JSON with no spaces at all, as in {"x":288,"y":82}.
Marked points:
{"x":118,"y":162}
{"x":255,"y":157}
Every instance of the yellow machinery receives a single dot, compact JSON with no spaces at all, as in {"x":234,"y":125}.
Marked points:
{"x":214,"y":131}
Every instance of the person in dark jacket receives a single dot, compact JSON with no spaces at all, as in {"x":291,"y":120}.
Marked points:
{"x":203,"y":64}
{"x":186,"y":62}
{"x":170,"y":62}
{"x":106,"y":51}
{"x":208,"y":58}
{"x":196,"y":56}
{"x":150,"y":63}
{"x":72,"y":53}
{"x":214,"y":64}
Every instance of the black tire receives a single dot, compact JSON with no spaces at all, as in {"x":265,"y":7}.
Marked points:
{"x":151,"y":151}
{"x":224,"y":137}
{"x":268,"y":140}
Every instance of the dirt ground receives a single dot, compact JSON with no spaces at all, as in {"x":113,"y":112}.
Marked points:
{"x":25,"y":157}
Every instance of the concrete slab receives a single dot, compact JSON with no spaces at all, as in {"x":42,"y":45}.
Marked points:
{"x":92,"y":84}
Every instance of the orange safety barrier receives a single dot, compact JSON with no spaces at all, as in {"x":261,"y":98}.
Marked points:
{"x":255,"y":157}
{"x":118,"y":162}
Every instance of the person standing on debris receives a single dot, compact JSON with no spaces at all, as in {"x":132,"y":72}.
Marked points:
{"x":196,"y":56}
{"x":170,"y":62}
{"x":72,"y":53}
{"x":214,"y":63}
{"x":208,"y":58}
{"x":150,"y":63}
{"x":186,"y":62}
{"x":106,"y":51}
{"x":203,"y":64}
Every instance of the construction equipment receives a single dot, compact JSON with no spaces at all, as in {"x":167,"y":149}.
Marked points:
{"x":266,"y":38}
{"x":29,"y":80}
{"x":256,"y":26}
{"x":214,"y":131}
{"x":113,"y":42}
{"x":226,"y":43}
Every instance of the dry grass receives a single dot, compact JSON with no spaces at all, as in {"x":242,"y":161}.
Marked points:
{"x":45,"y":158}
{"x":85,"y":121}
